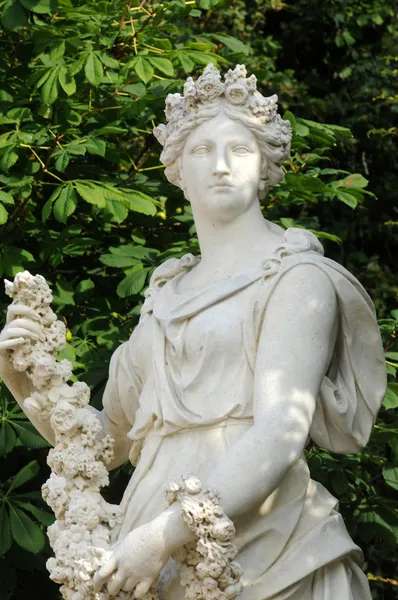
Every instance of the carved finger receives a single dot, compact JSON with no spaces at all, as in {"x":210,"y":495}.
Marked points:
{"x":27,"y":324}
{"x":130,"y":584}
{"x":142,"y":588}
{"x":7,"y":344}
{"x":116,"y":583}
{"x":102,"y":575}
{"x":21,"y":309}
{"x":12,"y":332}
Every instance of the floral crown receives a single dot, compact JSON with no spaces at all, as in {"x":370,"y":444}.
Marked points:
{"x":237,"y":89}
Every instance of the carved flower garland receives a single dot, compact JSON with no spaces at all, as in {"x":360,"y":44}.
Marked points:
{"x":80,"y":537}
{"x":81,"y":534}
{"x":208,"y":569}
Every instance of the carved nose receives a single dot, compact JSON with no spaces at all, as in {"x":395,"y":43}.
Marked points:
{"x":221,"y":167}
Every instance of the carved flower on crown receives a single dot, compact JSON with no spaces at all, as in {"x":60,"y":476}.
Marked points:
{"x":285,"y":129}
{"x":233,"y":75}
{"x":189,"y":88}
{"x":160,"y":133}
{"x":251,"y":83}
{"x":209,"y":86}
{"x":174,"y":104}
{"x":237,"y":94}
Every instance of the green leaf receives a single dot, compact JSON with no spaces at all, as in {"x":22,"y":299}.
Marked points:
{"x":377,"y":19}
{"x":5,"y":96}
{"x":5,"y":530}
{"x":121,"y":262}
{"x":110,"y":130}
{"x":347,"y":198}
{"x":84,"y":289}
{"x":133,"y":283}
{"x":187,"y":63}
{"x":29,"y":436}
{"x":232,"y":43}
{"x":62,"y":160}
{"x":93,"y":69}
{"x":6,"y":198}
{"x":8,"y":159}
{"x":3,"y":215}
{"x":44,"y":517}
{"x":143,"y":69}
{"x":390,"y":475}
{"x":95,"y":146}
{"x":136,"y":89}
{"x":63,"y":294}
{"x":118,"y":210}
{"x":355,"y":180}
{"x":109,"y":62}
{"x":391,"y":397}
{"x":162,"y":43}
{"x":91,"y":193}
{"x":65,"y":204}
{"x":392,"y":355}
{"x":141,"y":203}
{"x":50,"y":89}
{"x":27,"y":473}
{"x":302,"y":130}
{"x":67,"y":82}
{"x":57,"y":51}
{"x":14,"y":16}
{"x":40,"y":6}
{"x":7,"y":438}
{"x":25,"y":532}
{"x":163,"y":64}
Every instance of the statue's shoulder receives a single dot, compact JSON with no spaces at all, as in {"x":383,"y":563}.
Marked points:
{"x":297,"y":241}
{"x":296,"y":246}
{"x":167,"y":270}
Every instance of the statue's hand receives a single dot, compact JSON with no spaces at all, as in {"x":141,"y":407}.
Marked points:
{"x":21,"y":325}
{"x":135,"y":562}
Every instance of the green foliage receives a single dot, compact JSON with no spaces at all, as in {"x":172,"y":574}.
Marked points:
{"x":84,"y":201}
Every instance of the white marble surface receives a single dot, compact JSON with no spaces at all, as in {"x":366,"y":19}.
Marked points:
{"x":239,"y":358}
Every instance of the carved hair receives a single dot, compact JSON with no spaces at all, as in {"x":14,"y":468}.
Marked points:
{"x":239,"y":100}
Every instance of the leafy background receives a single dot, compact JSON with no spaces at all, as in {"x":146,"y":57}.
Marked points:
{"x":84,"y":201}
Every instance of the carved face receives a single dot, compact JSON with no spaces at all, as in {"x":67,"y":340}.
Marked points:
{"x":221,"y":168}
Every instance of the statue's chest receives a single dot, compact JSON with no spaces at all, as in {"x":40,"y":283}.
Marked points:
{"x":214,"y":331}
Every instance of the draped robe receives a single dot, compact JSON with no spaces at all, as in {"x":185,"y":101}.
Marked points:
{"x":181,"y":389}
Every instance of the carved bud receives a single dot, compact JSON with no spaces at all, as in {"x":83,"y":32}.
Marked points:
{"x":193,"y":485}
{"x":223,"y":530}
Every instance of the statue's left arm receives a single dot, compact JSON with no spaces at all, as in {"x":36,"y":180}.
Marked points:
{"x":295,"y":348}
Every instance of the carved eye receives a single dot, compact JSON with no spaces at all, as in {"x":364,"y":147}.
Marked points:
{"x":241,"y":150}
{"x":200,"y":151}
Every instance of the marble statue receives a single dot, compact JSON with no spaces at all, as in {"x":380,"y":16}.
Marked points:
{"x":240,"y":357}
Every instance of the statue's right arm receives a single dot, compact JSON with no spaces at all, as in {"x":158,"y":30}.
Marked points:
{"x":21,"y":325}
{"x":121,"y":393}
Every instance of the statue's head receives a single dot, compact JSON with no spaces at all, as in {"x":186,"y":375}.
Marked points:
{"x":223,"y":132}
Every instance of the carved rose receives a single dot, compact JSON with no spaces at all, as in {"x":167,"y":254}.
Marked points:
{"x":237,"y":94}
{"x":64,"y":418}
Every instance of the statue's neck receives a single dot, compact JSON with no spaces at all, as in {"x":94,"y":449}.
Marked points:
{"x":236,"y":245}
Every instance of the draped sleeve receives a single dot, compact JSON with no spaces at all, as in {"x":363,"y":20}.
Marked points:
{"x":127,"y":373}
{"x":354,"y":385}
